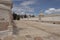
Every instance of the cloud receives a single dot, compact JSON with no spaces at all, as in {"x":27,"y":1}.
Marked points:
{"x":23,"y":10}
{"x":25,"y":3}
{"x":52,"y":10}
{"x":24,"y":7}
{"x":21,"y":0}
{"x":16,"y":0}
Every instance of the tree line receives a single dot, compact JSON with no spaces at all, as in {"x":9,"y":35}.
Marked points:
{"x":18,"y":17}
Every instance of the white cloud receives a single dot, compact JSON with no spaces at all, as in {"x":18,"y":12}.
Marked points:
{"x":25,"y":3}
{"x":23,"y":10}
{"x":24,"y":7}
{"x":52,"y":10}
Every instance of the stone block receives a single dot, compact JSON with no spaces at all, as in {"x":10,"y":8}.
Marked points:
{"x":28,"y":36}
{"x":3,"y":26}
{"x":8,"y":38}
{"x":38,"y":38}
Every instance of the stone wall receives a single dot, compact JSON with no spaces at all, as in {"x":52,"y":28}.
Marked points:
{"x":5,"y":11}
{"x":5,"y":19}
{"x":53,"y":19}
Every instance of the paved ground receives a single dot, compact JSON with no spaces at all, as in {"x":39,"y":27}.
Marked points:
{"x":34,"y":30}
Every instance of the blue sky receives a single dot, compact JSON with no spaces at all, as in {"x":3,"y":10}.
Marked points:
{"x":34,"y":6}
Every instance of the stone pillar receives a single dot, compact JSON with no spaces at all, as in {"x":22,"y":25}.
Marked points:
{"x":40,"y":16}
{"x":5,"y":18}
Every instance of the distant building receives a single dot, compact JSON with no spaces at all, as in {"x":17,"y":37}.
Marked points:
{"x":50,"y":18}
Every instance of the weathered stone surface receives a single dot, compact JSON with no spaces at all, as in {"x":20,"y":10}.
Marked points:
{"x":21,"y":38}
{"x":28,"y":36}
{"x":6,"y":2}
{"x":3,"y":26}
{"x":8,"y":38}
{"x":38,"y":31}
{"x":38,"y":38}
{"x":5,"y":19}
{"x":5,"y":11}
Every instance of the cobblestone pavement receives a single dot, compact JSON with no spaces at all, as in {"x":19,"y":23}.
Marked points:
{"x":34,"y":30}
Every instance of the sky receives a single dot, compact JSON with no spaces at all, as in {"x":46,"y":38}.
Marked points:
{"x":35,"y":6}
